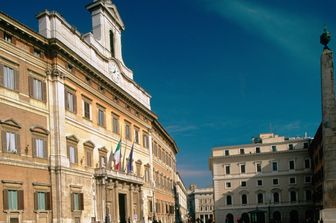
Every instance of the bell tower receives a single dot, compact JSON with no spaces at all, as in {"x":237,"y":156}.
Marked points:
{"x":107,"y":26}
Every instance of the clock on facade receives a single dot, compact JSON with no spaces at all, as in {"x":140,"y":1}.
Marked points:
{"x":114,"y":72}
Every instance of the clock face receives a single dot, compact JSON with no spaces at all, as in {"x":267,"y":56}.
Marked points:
{"x":114,"y":72}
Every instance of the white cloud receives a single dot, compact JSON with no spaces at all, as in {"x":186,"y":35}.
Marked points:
{"x":292,"y":32}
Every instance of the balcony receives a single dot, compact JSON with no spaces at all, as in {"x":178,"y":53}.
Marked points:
{"x":118,"y":175}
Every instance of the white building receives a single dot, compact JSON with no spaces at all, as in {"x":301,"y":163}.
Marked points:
{"x":200,"y":203}
{"x":267,"y":180}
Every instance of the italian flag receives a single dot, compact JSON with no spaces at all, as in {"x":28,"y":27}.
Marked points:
{"x":117,"y":157}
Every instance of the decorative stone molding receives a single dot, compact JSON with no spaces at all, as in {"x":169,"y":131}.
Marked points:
{"x":39,"y":130}
{"x":11,"y":122}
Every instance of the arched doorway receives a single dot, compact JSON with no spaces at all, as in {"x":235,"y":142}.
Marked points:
{"x":229,"y":218}
{"x":293,"y":216}
{"x":244,"y":218}
{"x":276,"y":217}
{"x":309,"y":216}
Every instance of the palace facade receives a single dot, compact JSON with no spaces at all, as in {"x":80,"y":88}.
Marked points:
{"x":79,"y":140}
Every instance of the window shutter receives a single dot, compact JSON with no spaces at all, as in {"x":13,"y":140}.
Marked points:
{"x":35,"y":201}
{"x":13,"y":40}
{"x":68,"y":152}
{"x":16,"y":80}
{"x":34,"y":147}
{"x":17,"y":143}
{"x":76,"y":154}
{"x":20,"y":200}
{"x":31,"y":85}
{"x":1,"y":74}
{"x":45,"y":148}
{"x":72,"y":201}
{"x":1,"y":34}
{"x":81,"y":201}
{"x":48,"y":200}
{"x":5,"y":199}
{"x":3,"y":141}
{"x":44,"y":91}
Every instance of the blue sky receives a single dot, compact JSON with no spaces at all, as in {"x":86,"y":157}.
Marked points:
{"x":219,"y":71}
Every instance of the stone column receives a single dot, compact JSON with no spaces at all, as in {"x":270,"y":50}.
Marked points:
{"x":131,"y":202}
{"x":328,"y":136}
{"x":116,"y":202}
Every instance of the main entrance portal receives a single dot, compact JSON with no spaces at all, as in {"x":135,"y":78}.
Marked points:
{"x":122,"y":208}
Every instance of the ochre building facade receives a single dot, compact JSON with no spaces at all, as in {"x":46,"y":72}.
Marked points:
{"x":68,"y":103}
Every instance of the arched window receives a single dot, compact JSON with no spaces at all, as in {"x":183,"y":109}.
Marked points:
{"x":276,"y":197}
{"x":228,"y":200}
{"x":260,"y":198}
{"x":112,"y":43}
{"x":244,"y":199}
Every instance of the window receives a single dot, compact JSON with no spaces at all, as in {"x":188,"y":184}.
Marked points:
{"x":292,"y":196}
{"x":276,"y":197}
{"x":292,"y":180}
{"x":307,"y":163}
{"x":260,"y":198}
{"x":37,"y":88}
{"x":8,"y":38}
{"x":274,"y":166}
{"x":291,"y":165}
{"x":111,"y":43}
{"x":228,"y":184}
{"x":257,"y":149}
{"x":308,"y":195}
{"x":290,"y":147}
{"x":87,"y":109}
{"x":226,"y":152}
{"x":305,"y":145}
{"x":258,"y":167}
{"x":146,"y":141}
{"x":243,"y":183}
{"x":36,"y":52}
{"x":42,"y":200}
{"x":115,"y":124}
{"x":101,"y":117}
{"x":13,"y":199}
{"x":275,"y":181}
{"x":39,"y":148}
{"x":242,"y":151}
{"x":9,"y":78}
{"x":136,"y":135}
{"x":228,"y":200}
{"x":244,"y":199}
{"x":72,"y":149}
{"x":89,"y":155}
{"x":274,"y":148}
{"x":127,"y":131}
{"x":242,"y":168}
{"x":70,"y":100}
{"x":227,"y":169}
{"x":259,"y":182}
{"x":307,"y":179}
{"x":77,"y":202}
{"x":10,"y":142}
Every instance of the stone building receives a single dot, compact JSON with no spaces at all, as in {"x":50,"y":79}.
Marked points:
{"x":71,"y":113}
{"x":181,"y":208}
{"x":200,"y":204}
{"x":323,"y":147}
{"x":268,"y":180}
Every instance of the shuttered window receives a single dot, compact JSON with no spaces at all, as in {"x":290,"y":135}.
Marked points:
{"x":13,"y":200}
{"x":77,"y":202}
{"x":70,"y":101}
{"x":10,"y":142}
{"x":9,"y":77}
{"x":40,"y":148}
{"x":42,"y":200}
{"x":37,"y":88}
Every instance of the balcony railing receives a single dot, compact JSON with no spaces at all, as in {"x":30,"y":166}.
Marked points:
{"x":118,"y":175}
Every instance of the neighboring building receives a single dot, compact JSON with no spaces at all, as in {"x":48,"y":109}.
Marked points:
{"x":70,"y":115}
{"x":323,"y":147}
{"x":181,"y":208}
{"x":164,"y":168}
{"x":266,"y":181}
{"x":200,"y":203}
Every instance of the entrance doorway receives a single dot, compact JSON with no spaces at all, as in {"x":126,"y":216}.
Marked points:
{"x":122,"y":208}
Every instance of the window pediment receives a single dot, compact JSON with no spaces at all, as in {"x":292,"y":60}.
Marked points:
{"x":89,"y":144}
{"x":72,"y":138}
{"x":243,"y":192}
{"x":275,"y":190}
{"x":11,"y":122}
{"x":39,"y":129}
{"x":102,"y":149}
